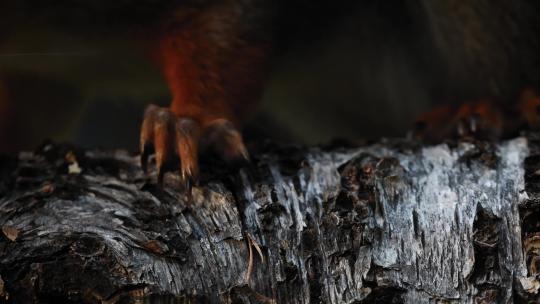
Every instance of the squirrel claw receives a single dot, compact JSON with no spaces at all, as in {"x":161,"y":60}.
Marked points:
{"x":172,"y":137}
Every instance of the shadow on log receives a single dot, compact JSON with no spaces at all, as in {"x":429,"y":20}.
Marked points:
{"x":386,"y":223}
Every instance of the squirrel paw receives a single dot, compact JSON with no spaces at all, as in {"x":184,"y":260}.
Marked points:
{"x":479,"y":120}
{"x":180,"y":138}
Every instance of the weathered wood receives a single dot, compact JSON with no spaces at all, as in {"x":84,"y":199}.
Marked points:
{"x":386,"y":223}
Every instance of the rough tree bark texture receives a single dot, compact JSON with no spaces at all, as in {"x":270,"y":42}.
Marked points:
{"x":386,"y":223}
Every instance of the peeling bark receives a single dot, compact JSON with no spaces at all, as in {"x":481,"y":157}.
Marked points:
{"x":386,"y":223}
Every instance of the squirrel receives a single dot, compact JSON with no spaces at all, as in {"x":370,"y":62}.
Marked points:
{"x":214,"y":56}
{"x":213,"y":90}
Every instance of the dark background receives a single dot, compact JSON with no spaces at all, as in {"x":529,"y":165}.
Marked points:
{"x":342,"y":69}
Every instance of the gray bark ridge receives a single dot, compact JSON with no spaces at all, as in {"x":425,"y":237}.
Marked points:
{"x":386,"y":223}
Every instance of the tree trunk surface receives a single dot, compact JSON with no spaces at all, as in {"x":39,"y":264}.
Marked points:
{"x":391,"y":222}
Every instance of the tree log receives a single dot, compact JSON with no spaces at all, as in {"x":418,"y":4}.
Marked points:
{"x":392,"y":222}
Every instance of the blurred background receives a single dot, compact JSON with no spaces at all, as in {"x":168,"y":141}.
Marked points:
{"x":342,"y":69}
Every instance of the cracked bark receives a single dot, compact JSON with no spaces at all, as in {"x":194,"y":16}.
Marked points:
{"x":392,"y":222}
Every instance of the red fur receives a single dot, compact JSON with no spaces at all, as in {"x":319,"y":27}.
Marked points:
{"x":211,"y":71}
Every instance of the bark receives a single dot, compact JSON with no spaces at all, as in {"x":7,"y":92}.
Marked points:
{"x":392,"y":222}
